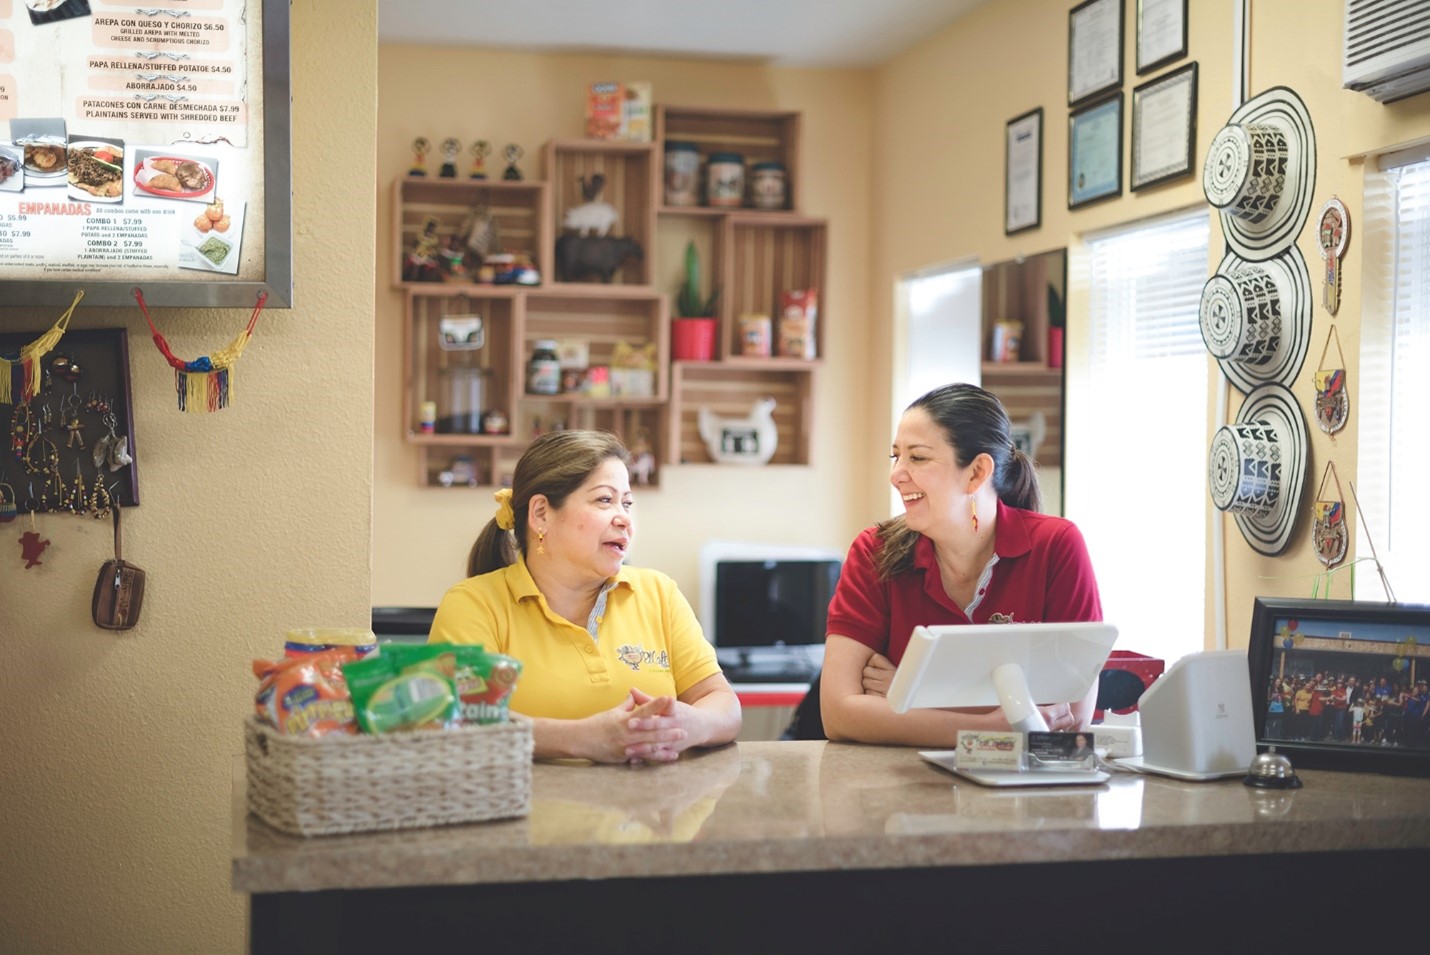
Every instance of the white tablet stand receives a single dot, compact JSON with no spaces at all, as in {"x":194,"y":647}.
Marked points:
{"x":1017,"y":666}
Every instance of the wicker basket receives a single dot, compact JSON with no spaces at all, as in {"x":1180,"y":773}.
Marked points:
{"x":333,"y":784}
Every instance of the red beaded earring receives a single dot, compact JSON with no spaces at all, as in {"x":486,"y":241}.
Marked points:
{"x":973,"y":513}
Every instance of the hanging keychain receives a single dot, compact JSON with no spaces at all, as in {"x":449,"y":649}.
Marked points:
{"x":1329,"y":534}
{"x":1334,"y":232}
{"x":1333,"y":403}
{"x":32,"y":545}
{"x":23,"y":427}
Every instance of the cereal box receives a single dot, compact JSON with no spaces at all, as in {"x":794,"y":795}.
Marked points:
{"x":636,"y":124}
{"x":605,"y":110}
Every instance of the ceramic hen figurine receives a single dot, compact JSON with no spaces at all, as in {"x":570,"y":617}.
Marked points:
{"x":748,"y":440}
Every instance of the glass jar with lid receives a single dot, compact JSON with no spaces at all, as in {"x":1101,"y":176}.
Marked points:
{"x":725,"y":180}
{"x":769,"y":185}
{"x":543,"y":371}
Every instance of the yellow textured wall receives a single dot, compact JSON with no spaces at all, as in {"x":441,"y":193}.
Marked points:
{"x":119,"y":748}
{"x":421,"y":534}
{"x":940,"y":111}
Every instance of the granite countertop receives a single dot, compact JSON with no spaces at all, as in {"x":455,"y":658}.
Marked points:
{"x":809,"y":806}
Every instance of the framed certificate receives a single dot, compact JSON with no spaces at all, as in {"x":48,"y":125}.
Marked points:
{"x":1164,"y":128}
{"x":1095,"y":152}
{"x":1161,"y":33}
{"x":1023,"y":173}
{"x":1094,"y":49}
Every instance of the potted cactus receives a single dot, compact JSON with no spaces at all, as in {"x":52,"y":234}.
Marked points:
{"x":693,"y":332}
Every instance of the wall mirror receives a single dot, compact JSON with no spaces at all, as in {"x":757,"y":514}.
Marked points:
{"x":1023,"y":320}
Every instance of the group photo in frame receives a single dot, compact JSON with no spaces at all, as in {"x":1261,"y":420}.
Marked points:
{"x":1164,"y":128}
{"x":1094,"y":49}
{"x":1161,"y":33}
{"x":1023,"y":173}
{"x":1342,"y":684}
{"x":1095,"y":152}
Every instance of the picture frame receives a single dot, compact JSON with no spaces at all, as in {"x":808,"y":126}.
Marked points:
{"x":1164,"y":128}
{"x":102,"y":354}
{"x":1095,"y":36}
{"x":1023,"y":173}
{"x":1095,"y":152}
{"x":1324,"y":645}
{"x":1161,"y":33}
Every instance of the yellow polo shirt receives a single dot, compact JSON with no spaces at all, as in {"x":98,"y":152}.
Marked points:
{"x":648,"y":638}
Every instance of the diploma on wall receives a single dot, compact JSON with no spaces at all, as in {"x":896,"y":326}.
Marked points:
{"x":1023,"y":173}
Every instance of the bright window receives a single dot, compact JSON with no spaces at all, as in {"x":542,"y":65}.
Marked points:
{"x":1394,"y":387}
{"x":1137,"y":432}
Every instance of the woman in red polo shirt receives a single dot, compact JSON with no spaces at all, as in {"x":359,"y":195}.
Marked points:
{"x":969,"y":548}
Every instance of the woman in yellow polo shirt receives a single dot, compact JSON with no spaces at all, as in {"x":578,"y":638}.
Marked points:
{"x":614,"y":666}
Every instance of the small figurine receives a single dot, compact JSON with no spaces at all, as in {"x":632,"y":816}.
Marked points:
{"x":481,"y":149}
{"x":642,"y":457}
{"x":420,"y":148}
{"x":450,"y":149}
{"x":494,"y":422}
{"x":421,"y":263}
{"x":593,"y":215}
{"x":511,"y":154}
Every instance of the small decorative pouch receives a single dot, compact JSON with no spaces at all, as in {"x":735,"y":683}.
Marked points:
{"x":119,"y":591}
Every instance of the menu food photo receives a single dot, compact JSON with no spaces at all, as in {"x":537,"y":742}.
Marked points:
{"x":131,"y":144}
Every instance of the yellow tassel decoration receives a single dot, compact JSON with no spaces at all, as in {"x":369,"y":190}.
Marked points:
{"x":29,"y":358}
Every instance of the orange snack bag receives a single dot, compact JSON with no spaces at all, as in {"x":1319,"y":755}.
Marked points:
{"x":306,"y":696}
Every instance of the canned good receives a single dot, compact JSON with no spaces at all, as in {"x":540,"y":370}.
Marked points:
{"x":725,"y":180}
{"x":755,"y":331}
{"x":769,"y":185}
{"x":309,"y":640}
{"x":682,"y":174}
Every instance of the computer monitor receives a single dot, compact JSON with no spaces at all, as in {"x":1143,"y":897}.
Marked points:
{"x":757,"y":596}
{"x":1017,"y":666}
{"x":773,"y":603}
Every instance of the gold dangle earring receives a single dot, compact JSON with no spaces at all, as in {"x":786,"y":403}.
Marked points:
{"x":541,"y":542}
{"x":973,"y":513}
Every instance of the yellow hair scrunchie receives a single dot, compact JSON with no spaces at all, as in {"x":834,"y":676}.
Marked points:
{"x":505,"y":517}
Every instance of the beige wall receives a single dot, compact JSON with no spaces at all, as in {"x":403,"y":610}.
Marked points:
{"x":939,"y":116}
{"x":118,"y":750}
{"x":421,"y":534}
{"x":115,"y":788}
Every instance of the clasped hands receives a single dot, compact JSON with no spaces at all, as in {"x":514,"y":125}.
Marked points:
{"x":644,"y":728}
{"x":879,"y":673}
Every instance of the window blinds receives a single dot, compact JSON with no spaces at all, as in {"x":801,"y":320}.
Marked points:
{"x":1142,"y":508}
{"x":1393,"y":455}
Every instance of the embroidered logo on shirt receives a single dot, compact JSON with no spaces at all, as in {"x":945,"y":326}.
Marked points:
{"x":634,"y":656}
{"x":1000,"y":618}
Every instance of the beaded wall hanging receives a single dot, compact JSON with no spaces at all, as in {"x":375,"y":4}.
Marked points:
{"x":206,"y":383}
{"x":27,"y":360}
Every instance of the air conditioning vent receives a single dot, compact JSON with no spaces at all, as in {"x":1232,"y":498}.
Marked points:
{"x":1387,"y":50}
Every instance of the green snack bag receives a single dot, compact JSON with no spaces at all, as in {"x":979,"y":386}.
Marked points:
{"x":389,"y":697}
{"x":485,"y":682}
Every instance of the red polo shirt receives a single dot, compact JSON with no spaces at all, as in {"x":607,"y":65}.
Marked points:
{"x":1043,"y":575}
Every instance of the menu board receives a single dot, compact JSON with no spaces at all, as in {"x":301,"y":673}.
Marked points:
{"x":134,"y":141}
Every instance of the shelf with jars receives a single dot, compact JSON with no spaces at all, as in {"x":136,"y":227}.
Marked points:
{"x":604,"y":307}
